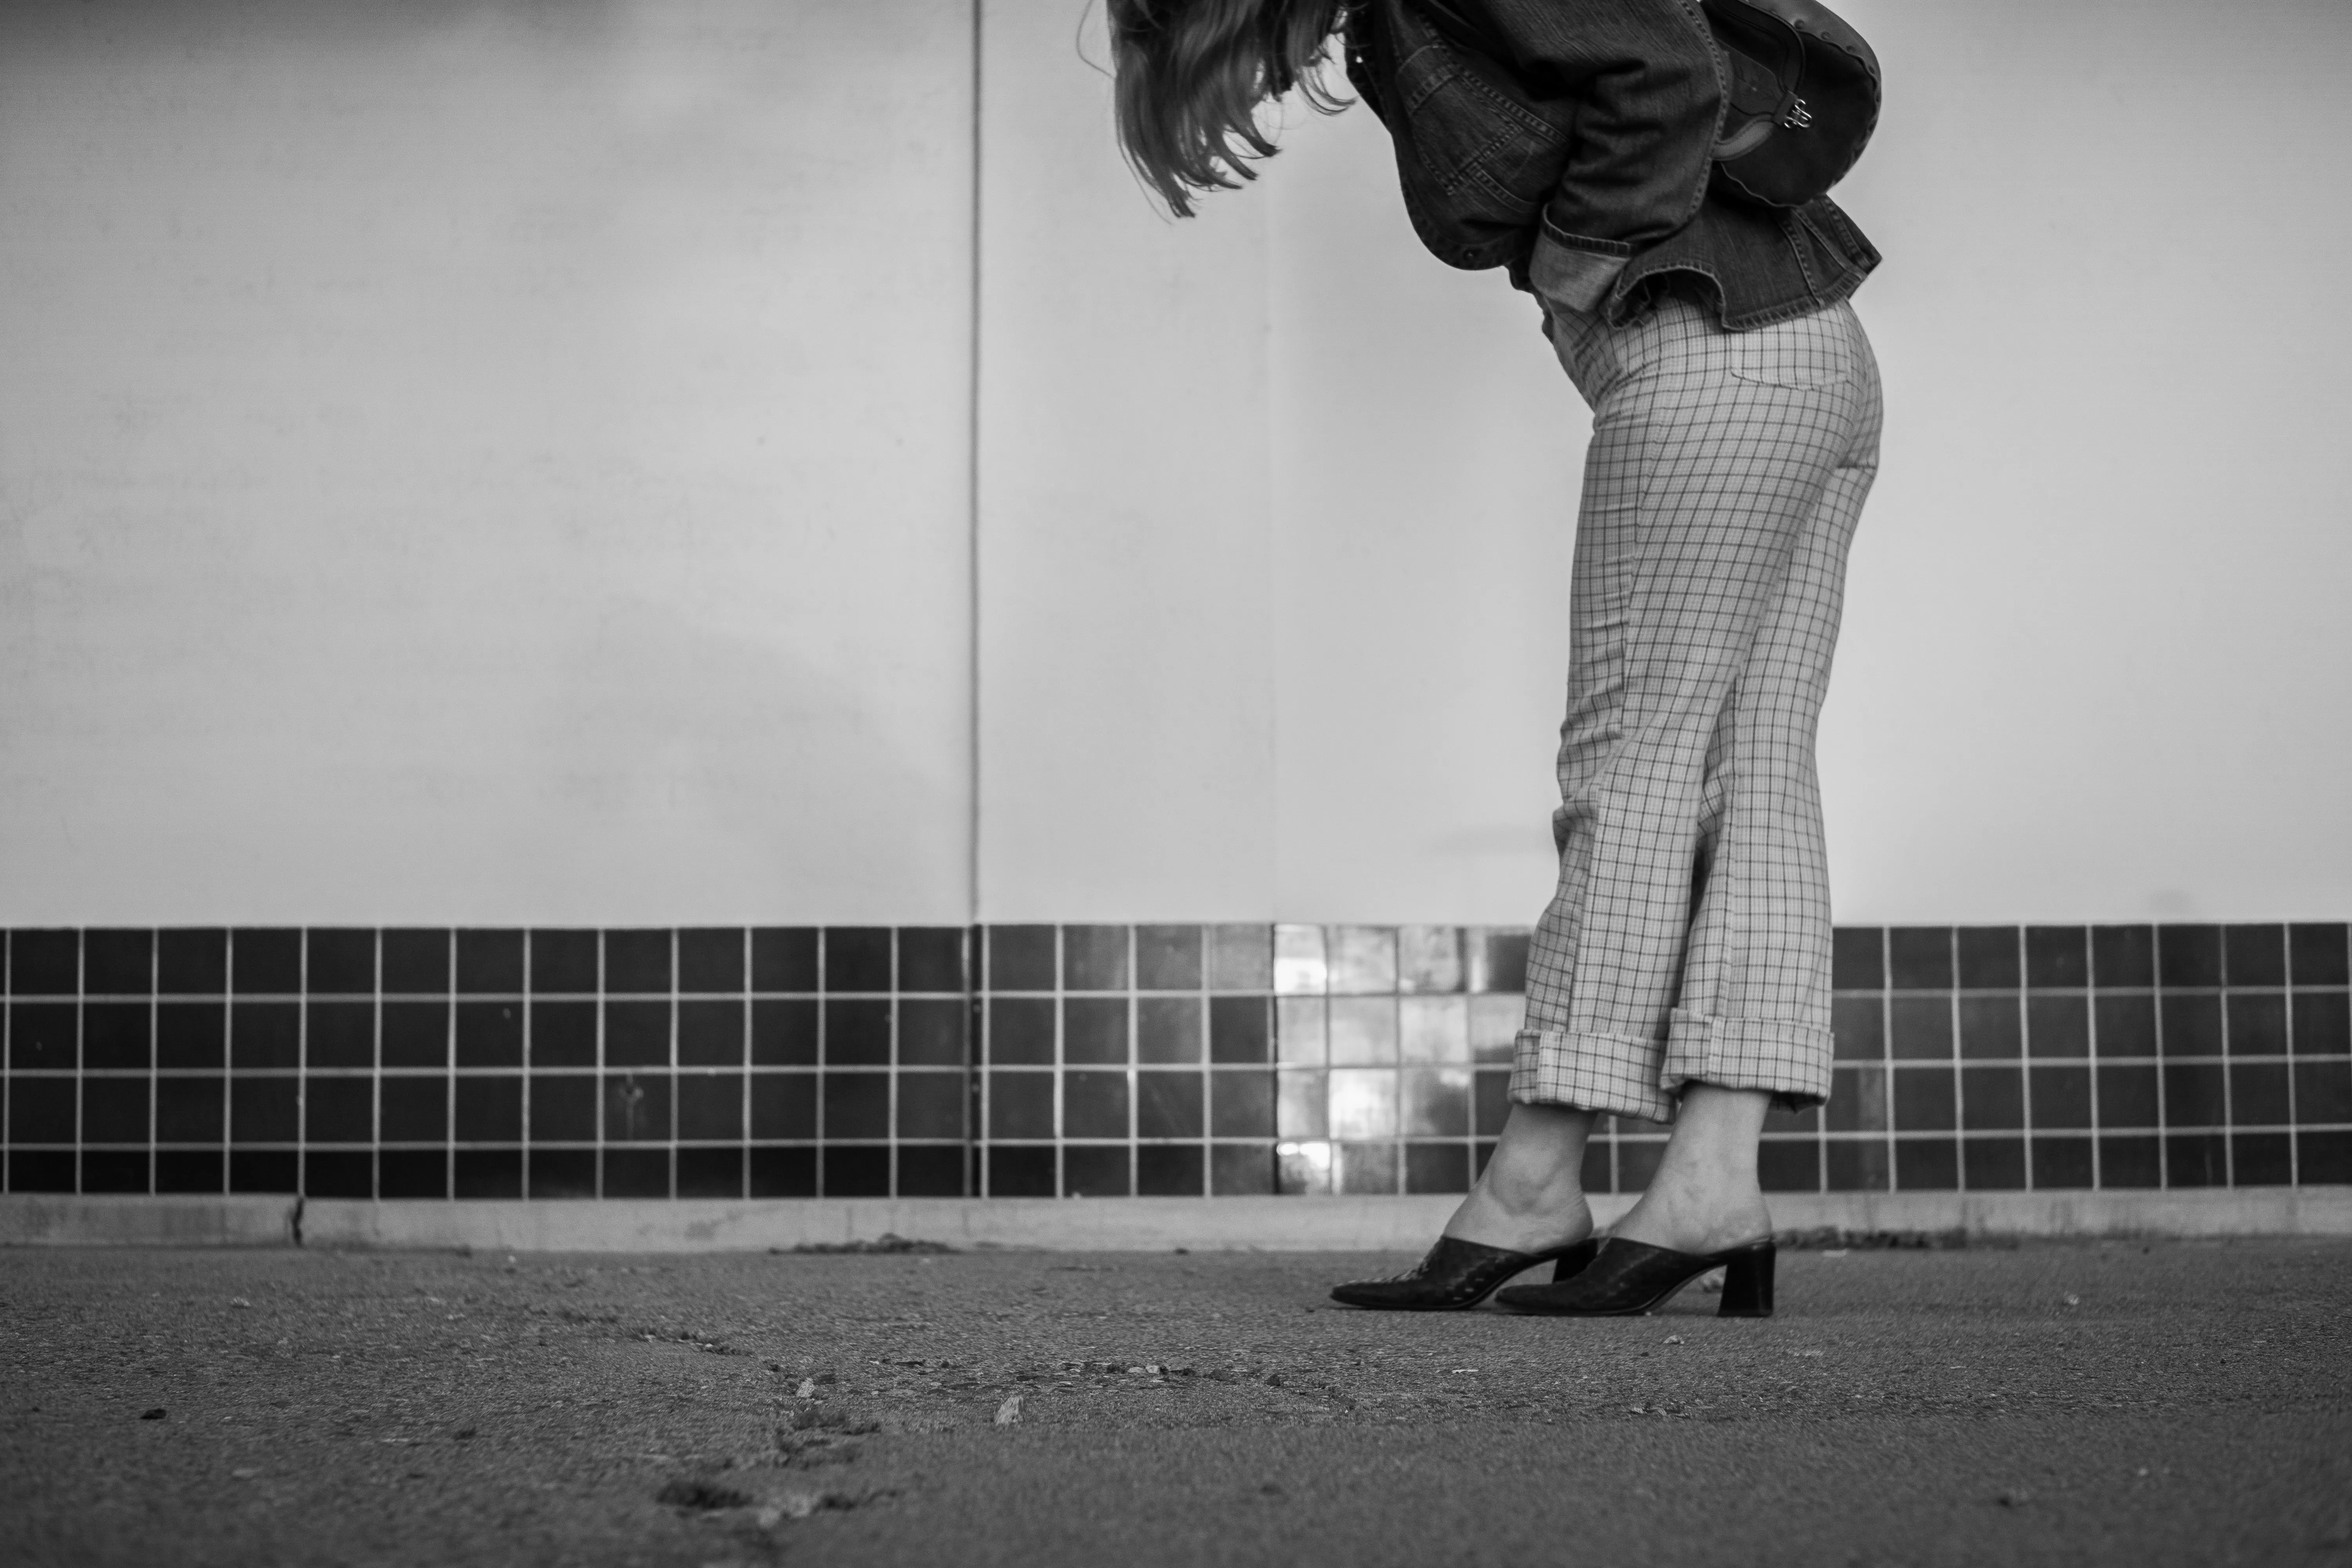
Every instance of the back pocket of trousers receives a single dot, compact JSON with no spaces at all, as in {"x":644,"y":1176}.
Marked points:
{"x":1803,"y":353}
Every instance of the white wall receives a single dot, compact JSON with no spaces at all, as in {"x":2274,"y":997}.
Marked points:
{"x":484,"y":462}
{"x":504,"y":462}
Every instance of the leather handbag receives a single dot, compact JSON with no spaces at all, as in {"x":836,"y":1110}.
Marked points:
{"x":1804,"y":93}
{"x":1804,"y":98}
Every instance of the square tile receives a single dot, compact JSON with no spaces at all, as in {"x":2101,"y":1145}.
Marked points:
{"x":2061,"y":1097}
{"x":1302,"y":1106}
{"x":784,"y":1031}
{"x":1988,"y":957}
{"x":783,"y":959}
{"x":2257,"y":1023}
{"x":188,"y":1109}
{"x":1095,"y":1173}
{"x":1023,"y":1173}
{"x":1240,"y":958}
{"x":338,"y":1110}
{"x":1022,"y":958}
{"x":1021,"y":1031}
{"x":564,"y":1034}
{"x":1168,"y":958}
{"x":1990,"y":1028}
{"x":2123,"y":955}
{"x":2058,"y":1027}
{"x":1241,"y":1104}
{"x":858,"y":958}
{"x":1241,"y":1170}
{"x":489,"y":1108}
{"x":1363,"y":1102}
{"x":931,"y":1031}
{"x":857,"y":1032}
{"x":260,"y":1109}
{"x":1490,"y":1103}
{"x":265,"y":1035}
{"x":1780,"y":1118}
{"x":1858,"y":1100}
{"x":2126,"y":1097}
{"x":114,"y":1111}
{"x":1927,"y":1165}
{"x":2259,"y":1095}
{"x":1429,"y":960}
{"x":932,"y":1171}
{"x":2262,"y":1160}
{"x":1300,"y":968}
{"x":1434,"y":1102}
{"x":1495,"y":959}
{"x":339,"y":1174}
{"x":38,"y":1170}
{"x":637,"y":1034}
{"x":931,"y":1105}
{"x":1170,"y":1171}
{"x":192,"y":963}
{"x":1302,"y":1169}
{"x":1919,"y":958}
{"x":1363,"y":1031}
{"x":1859,"y":1025}
{"x":636,"y":1107}
{"x":339,"y":961}
{"x":636,"y":962}
{"x":636,"y":1173}
{"x":2061,"y":1164}
{"x":1169,"y":1104}
{"x":490,"y":963}
{"x":1992,"y":1100}
{"x":2323,"y":1159}
{"x":2253,"y":955}
{"x":1433,"y":1029}
{"x":2123,"y":1026}
{"x":415,"y":963}
{"x":931,"y":960}
{"x":2318,"y":955}
{"x":1240,"y":1030}
{"x":1994,"y":1164}
{"x":415,"y":1034}
{"x":2190,"y":1024}
{"x":1369,"y":1169}
{"x":710,"y":960}
{"x":2189,"y":955}
{"x":118,"y":963}
{"x":1169,"y":1028}
{"x":415,"y":1109}
{"x":1788,"y":1166}
{"x":1019,"y":1105}
{"x":1362,"y":960}
{"x":266,"y":961}
{"x":264,"y":1171}
{"x":563,"y":1174}
{"x":1923,"y":1099}
{"x":339,"y":1035}
{"x":1094,"y":1030}
{"x":1094,"y":958}
{"x":2321,"y":1023}
{"x":783,"y":1106}
{"x":1494,"y":1020}
{"x":1921,"y":1028}
{"x":44,"y":1036}
{"x":2197,"y":1160}
{"x":1095,"y":1105}
{"x":857,"y":1105}
{"x":488,"y":1173}
{"x":2323,"y":1091}
{"x":412,"y":1173}
{"x":2057,"y":956}
{"x":561,"y":962}
{"x":116,"y":1170}
{"x":710,"y":1033}
{"x":1302,"y":1030}
{"x":1858,"y":958}
{"x":857,"y":1172}
{"x":710,"y":1107}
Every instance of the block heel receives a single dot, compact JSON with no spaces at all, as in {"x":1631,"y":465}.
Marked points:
{"x":1748,"y":1283}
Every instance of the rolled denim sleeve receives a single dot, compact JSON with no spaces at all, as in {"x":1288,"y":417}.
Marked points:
{"x":1643,"y":75}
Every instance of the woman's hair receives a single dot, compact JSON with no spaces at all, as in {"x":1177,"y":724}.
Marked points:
{"x":1191,"y":76}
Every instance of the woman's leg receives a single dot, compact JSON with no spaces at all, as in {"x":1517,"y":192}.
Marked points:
{"x":1531,"y":1195}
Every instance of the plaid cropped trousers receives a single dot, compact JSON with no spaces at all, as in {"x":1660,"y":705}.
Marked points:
{"x":1688,"y":940}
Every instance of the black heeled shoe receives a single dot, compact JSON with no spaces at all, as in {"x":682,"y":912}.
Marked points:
{"x":1457,"y":1275}
{"x":1625,"y":1278}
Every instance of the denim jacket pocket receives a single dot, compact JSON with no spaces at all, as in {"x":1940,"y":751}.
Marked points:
{"x":1471,"y":142}
{"x":1790,"y":353}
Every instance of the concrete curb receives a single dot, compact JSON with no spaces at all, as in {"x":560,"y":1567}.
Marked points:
{"x":41,"y":1220}
{"x":1089,"y":1225}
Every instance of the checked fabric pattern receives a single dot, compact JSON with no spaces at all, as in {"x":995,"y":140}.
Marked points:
{"x":1688,"y":940}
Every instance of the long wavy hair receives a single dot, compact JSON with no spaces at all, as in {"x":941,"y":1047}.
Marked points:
{"x":1191,"y":75}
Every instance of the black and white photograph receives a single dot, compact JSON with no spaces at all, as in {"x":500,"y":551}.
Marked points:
{"x":1191,"y":783}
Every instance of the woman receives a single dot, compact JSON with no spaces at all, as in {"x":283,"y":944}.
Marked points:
{"x":1681,"y":972}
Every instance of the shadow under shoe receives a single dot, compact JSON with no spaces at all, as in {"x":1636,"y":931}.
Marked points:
{"x":1457,"y":1275}
{"x":1625,"y":1278}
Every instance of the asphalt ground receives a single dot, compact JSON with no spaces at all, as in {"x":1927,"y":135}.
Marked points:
{"x":2113,"y":1403}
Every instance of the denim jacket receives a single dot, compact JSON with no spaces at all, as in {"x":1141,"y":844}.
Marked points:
{"x":1585,"y":156}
